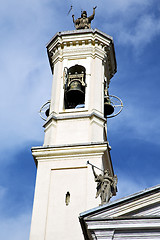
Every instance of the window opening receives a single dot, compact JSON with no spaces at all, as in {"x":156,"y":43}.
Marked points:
{"x":67,"y":199}
{"x":74,"y":87}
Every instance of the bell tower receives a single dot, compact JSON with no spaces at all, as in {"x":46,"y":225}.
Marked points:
{"x":82,"y":62}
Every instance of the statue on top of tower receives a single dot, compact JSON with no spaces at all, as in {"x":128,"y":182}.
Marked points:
{"x":84,"y":22}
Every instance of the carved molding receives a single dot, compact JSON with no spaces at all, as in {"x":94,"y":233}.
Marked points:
{"x":90,"y":42}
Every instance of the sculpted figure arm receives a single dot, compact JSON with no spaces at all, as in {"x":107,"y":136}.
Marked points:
{"x":90,"y":18}
{"x":73,"y":18}
{"x":76,"y":22}
{"x":95,"y":175}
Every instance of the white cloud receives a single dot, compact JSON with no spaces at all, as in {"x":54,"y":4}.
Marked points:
{"x":144,"y":31}
{"x":25,"y":73}
{"x":137,"y":123}
{"x":15,"y":228}
{"x":130,"y":22}
{"x":2,"y":192}
{"x":130,"y":185}
{"x":124,"y":6}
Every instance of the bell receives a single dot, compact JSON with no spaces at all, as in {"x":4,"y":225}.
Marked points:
{"x":75,"y":95}
{"x":47,"y":112}
{"x":108,"y":108}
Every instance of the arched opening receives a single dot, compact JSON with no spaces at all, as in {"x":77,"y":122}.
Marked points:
{"x":74,"y":93}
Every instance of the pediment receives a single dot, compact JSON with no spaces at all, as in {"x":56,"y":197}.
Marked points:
{"x":140,"y":205}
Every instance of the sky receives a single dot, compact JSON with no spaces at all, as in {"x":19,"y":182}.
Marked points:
{"x":134,"y":135}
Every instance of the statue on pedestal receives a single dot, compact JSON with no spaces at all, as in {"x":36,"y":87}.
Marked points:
{"x":84,"y":22}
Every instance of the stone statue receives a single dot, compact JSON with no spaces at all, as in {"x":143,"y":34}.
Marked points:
{"x":106,"y":186}
{"x":84,"y":22}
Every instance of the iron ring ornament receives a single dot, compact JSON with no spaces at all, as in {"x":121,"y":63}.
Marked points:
{"x":44,"y":110}
{"x":117,"y":104}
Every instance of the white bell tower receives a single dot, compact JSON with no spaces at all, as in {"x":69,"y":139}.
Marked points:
{"x":82,"y":63}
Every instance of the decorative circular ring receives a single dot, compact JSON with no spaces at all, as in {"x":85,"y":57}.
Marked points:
{"x":117,"y":104}
{"x":43,"y":110}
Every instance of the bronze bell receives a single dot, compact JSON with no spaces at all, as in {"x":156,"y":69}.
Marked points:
{"x":75,"y":95}
{"x":108,"y":108}
{"x":47,"y":112}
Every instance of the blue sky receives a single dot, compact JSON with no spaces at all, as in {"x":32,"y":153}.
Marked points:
{"x":134,"y":135}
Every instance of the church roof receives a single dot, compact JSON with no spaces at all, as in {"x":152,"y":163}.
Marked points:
{"x":126,"y":217}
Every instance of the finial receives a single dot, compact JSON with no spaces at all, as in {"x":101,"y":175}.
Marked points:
{"x":83,"y":22}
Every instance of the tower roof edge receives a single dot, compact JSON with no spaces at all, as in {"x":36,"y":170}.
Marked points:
{"x":81,"y":31}
{"x":87,"y":35}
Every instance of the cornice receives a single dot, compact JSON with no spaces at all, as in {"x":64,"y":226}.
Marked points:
{"x":65,"y":151}
{"x":72,"y":115}
{"x":88,"y":42}
{"x":78,"y":33}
